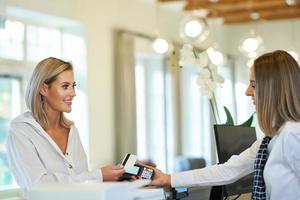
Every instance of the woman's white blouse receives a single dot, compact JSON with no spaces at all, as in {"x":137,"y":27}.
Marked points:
{"x":281,"y":173}
{"x":35,"y":158}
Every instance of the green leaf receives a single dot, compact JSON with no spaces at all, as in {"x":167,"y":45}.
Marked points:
{"x":229,"y":120}
{"x":248,"y":122}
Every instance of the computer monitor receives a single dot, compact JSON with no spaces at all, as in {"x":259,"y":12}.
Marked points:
{"x":232,"y":140}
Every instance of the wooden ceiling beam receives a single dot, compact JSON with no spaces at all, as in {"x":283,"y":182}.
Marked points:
{"x":238,"y":11}
{"x":167,"y":1}
{"x":234,"y":5}
{"x":208,"y":2}
{"x":240,"y":20}
{"x":215,"y":13}
{"x":264,"y":15}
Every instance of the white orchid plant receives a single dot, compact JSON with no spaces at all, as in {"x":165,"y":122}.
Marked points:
{"x":208,"y":77}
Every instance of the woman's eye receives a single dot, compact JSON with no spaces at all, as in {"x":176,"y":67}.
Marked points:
{"x":65,"y":87}
{"x":252,"y":84}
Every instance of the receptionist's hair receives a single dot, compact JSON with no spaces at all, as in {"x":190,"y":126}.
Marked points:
{"x":277,"y":90}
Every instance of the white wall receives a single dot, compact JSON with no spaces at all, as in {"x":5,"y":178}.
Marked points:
{"x":282,"y":34}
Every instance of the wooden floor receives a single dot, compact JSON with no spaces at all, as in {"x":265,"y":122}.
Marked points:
{"x":243,"y":197}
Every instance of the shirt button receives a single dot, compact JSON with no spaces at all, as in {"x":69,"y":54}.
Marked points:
{"x":70,"y":166}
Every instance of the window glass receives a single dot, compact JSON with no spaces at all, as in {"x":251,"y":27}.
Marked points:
{"x":151,"y":114}
{"x":10,"y":107}
{"x":12,"y":40}
{"x":196,"y":128}
{"x":140,"y":110}
{"x":73,"y":48}
{"x":42,"y":42}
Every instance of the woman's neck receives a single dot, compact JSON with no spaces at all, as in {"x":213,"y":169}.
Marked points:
{"x":53,"y":117}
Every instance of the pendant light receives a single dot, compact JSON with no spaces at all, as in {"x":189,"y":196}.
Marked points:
{"x":159,"y":44}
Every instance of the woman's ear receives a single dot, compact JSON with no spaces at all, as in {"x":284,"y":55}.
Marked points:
{"x":44,"y":89}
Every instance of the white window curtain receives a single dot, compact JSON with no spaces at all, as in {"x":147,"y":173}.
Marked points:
{"x":126,"y":141}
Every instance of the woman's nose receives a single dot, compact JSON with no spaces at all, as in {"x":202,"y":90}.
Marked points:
{"x":73,"y":92}
{"x":249,"y":91}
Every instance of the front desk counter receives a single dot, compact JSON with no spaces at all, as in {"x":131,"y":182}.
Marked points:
{"x":102,"y":191}
{"x":113,"y":191}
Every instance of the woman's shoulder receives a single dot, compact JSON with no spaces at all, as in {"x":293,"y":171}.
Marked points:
{"x":290,"y":126}
{"x":289,"y":139}
{"x":23,"y":123}
{"x":290,"y":133}
{"x":74,"y":130}
{"x":23,"y":118}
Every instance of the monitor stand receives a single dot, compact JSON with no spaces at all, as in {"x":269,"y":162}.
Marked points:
{"x":216,"y":193}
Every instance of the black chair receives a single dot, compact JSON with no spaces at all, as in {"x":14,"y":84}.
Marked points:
{"x":183,"y":163}
{"x":178,"y":193}
{"x":232,"y":140}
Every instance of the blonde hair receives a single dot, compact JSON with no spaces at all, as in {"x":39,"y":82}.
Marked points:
{"x":46,"y":72}
{"x":277,"y":90}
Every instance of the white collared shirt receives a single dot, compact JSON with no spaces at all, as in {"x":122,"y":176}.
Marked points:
{"x":35,"y":158}
{"x":281,"y":173}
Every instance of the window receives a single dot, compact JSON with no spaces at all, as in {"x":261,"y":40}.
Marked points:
{"x":22,"y":45}
{"x":151,"y":109}
{"x":154,"y":105}
{"x":42,"y":42}
{"x":197,"y":129}
{"x":196,"y":122}
{"x":11,"y":40}
{"x":10,"y":99}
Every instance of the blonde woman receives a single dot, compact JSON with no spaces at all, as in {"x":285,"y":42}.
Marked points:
{"x":275,"y":90}
{"x":43,"y":145}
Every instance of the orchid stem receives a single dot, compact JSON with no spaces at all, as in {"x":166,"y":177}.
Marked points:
{"x":215,"y":109}
{"x":195,"y":54}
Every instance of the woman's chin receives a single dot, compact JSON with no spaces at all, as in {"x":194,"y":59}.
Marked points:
{"x":68,"y":110}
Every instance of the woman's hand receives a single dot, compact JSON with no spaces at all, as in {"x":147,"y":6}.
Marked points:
{"x":161,"y":179}
{"x":112,"y":172}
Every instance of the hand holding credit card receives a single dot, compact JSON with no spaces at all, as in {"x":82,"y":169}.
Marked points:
{"x":134,"y":169}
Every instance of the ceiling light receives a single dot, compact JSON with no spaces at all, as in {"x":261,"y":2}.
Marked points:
{"x":254,"y":15}
{"x":291,"y":2}
{"x":160,"y":45}
{"x":194,"y":27}
{"x":251,"y":44}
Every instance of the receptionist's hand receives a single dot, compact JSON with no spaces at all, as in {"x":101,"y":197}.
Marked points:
{"x":161,"y":179}
{"x":112,"y":172}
